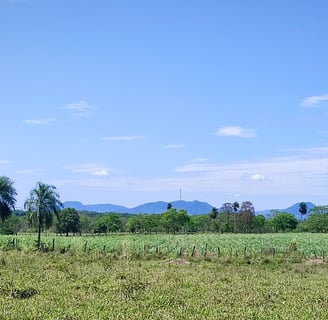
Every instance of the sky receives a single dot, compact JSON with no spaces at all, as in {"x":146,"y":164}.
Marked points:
{"x":127,"y":102}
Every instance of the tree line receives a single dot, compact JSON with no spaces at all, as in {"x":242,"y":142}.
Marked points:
{"x":44,"y":211}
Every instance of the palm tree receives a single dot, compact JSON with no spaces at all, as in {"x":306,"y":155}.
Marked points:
{"x":235,"y":206}
{"x":7,"y":198}
{"x":302,"y":209}
{"x":41,"y":206}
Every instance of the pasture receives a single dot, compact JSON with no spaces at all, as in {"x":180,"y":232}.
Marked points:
{"x":145,"y":277}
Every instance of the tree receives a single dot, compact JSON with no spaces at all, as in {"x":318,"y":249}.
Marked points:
{"x":284,"y":221}
{"x":317,"y":220}
{"x":43,"y":203}
{"x":68,"y":221}
{"x":214,"y":213}
{"x":259,"y":223}
{"x":12,"y":225}
{"x":235,"y":207}
{"x":109,"y":222}
{"x":225,"y":218}
{"x":302,"y":209}
{"x":7,"y":198}
{"x":174,"y":221}
{"x":85,"y":224}
{"x":246,"y":216}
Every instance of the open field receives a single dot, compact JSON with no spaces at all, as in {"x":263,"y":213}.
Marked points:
{"x":38,"y":285}
{"x":309,"y":244}
{"x":116,"y":282}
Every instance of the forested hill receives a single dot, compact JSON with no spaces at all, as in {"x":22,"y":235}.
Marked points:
{"x":294,"y":210}
{"x":192,"y":207}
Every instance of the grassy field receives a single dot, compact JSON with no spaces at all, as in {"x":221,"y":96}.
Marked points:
{"x":118,"y":284}
{"x":308,"y":243}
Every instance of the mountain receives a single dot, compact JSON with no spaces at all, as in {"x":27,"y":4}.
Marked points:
{"x":292,"y":209}
{"x":192,"y":207}
{"x":95,"y":207}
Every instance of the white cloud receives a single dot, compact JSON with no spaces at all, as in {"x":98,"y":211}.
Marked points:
{"x":4,"y":161}
{"x":302,"y":173}
{"x":123,"y":138}
{"x":314,"y":100}
{"x":39,"y":121}
{"x":80,"y":109}
{"x":258,"y":177}
{"x":92,"y":169}
{"x":236,"y":131}
{"x":173,"y":146}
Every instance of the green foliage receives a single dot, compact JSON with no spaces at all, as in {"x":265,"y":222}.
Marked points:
{"x":283,"y":222}
{"x":109,"y":222}
{"x":42,"y":204}
{"x":7,"y":197}
{"x":302,"y":209}
{"x":317,"y":220}
{"x":68,"y":221}
{"x":175,"y":221}
{"x":99,"y":286}
{"x":12,"y":225}
{"x":260,"y":224}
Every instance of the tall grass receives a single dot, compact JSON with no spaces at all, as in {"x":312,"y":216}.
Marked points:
{"x":307,"y":243}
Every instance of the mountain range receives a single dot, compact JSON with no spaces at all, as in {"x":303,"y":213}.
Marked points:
{"x":193,"y":208}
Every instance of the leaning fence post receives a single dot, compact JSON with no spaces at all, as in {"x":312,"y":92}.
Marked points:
{"x":193,"y":251}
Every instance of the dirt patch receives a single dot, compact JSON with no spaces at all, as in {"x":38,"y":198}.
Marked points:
{"x":180,"y":262}
{"x":314,"y":261}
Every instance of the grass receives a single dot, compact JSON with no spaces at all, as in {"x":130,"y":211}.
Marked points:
{"x":307,"y":243}
{"x":117,"y":284}
{"x":38,"y":285}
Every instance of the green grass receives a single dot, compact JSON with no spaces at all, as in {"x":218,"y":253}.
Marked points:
{"x":36,"y":285}
{"x":122,"y":277}
{"x":307,"y":243}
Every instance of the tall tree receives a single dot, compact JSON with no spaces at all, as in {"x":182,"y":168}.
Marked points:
{"x":302,"y":209}
{"x":43,"y":203}
{"x":235,"y":207}
{"x":214,"y":213}
{"x":246,"y":216}
{"x":68,"y":221}
{"x":7,"y":198}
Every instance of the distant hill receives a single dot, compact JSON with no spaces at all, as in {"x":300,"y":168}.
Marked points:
{"x":95,"y":207}
{"x":192,"y":207}
{"x":292,"y":209}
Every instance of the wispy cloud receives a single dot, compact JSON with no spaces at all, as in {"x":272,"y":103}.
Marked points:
{"x":92,"y":169}
{"x":123,"y":138}
{"x":301,"y":173}
{"x":258,"y":177}
{"x":39,"y":121}
{"x":80,"y":109}
{"x":236,"y":131}
{"x":4,"y":161}
{"x":174,"y":146}
{"x":314,"y":100}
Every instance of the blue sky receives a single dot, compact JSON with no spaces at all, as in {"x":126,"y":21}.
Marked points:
{"x":128,"y":102}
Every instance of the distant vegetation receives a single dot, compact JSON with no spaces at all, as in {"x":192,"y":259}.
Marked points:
{"x":226,"y":264}
{"x":229,"y":218}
